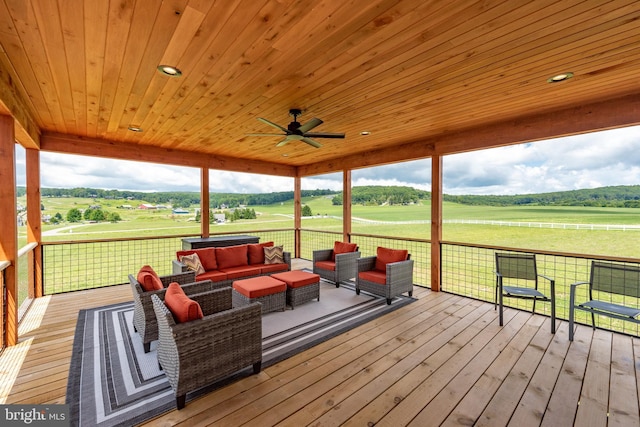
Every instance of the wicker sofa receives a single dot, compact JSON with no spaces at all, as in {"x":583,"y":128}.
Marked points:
{"x":144,"y":318}
{"x":227,"y":264}
{"x":197,"y":353}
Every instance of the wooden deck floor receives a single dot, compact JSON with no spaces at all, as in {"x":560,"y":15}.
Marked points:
{"x":440,"y":361}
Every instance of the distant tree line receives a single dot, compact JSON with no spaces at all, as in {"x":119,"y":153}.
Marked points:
{"x":627,"y":196}
{"x":621,"y":196}
{"x":178,"y":199}
{"x":381,"y":195}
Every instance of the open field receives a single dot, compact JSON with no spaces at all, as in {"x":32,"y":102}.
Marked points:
{"x":146,"y":223}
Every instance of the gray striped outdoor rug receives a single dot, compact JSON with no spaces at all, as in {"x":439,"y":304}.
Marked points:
{"x":112,"y":382}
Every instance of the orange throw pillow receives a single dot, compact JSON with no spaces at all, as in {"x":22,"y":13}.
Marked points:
{"x":386,"y":256}
{"x":183,"y":308}
{"x":342,"y":248}
{"x":148,"y":279}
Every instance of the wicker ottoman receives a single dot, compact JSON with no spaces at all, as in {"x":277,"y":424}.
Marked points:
{"x":269,"y":292}
{"x":301,"y":286}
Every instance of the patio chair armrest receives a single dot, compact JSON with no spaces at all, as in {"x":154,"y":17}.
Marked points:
{"x":366,"y":263}
{"x":214,"y":301}
{"x":178,"y":267}
{"x":400,"y":271}
{"x":322,"y":255}
{"x":497,"y":273}
{"x":181,"y":278}
{"x":574,"y":285}
{"x":287,"y":258}
{"x":547,"y":277}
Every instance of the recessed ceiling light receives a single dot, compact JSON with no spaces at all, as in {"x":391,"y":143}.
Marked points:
{"x":285,"y":155}
{"x":135,"y":129}
{"x":169,"y":70}
{"x":365,"y":133}
{"x":559,"y":77}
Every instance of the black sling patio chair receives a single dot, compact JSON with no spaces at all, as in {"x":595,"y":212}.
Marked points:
{"x":523,"y":268}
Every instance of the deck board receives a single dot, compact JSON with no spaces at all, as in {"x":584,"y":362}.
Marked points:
{"x":443,"y":360}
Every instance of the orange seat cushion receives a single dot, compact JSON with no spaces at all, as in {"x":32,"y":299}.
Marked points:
{"x":342,"y":248}
{"x":256,"y":252}
{"x":386,"y":256}
{"x":297,"y":278}
{"x":241,"y":271}
{"x":183,"y":308}
{"x":326,"y":265}
{"x":232,"y":256}
{"x":148,"y":279}
{"x":374,"y":276}
{"x":259,"y":286}
{"x":272,"y":268}
{"x":214,"y":276}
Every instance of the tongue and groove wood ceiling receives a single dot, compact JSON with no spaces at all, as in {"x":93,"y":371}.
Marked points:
{"x":421,"y":76}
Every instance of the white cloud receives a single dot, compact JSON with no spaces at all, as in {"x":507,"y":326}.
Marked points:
{"x":583,"y":161}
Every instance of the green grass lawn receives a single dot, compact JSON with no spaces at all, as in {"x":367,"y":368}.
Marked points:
{"x":326,"y":216}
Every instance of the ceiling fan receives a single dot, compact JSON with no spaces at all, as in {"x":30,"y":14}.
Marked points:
{"x":298,"y":132}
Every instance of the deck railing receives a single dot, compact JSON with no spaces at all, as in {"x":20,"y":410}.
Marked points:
{"x":467,"y":269}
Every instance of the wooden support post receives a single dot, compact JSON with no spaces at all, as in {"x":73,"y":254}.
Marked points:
{"x":436,"y":221}
{"x":204,"y":202}
{"x":346,"y":205}
{"x":297,"y":214}
{"x":34,"y":222}
{"x":9,"y":227}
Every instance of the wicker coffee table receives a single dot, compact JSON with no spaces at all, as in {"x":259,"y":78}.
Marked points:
{"x":269,"y":292}
{"x":301,"y":286}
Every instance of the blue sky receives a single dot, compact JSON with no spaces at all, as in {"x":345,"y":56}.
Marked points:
{"x":582,"y":161}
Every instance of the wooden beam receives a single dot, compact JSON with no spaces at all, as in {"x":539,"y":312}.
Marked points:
{"x":34,"y":222}
{"x":26,"y":129}
{"x":297,"y":214}
{"x":436,"y":221}
{"x":346,"y":205}
{"x":97,"y":147}
{"x":610,"y":114}
{"x":9,"y":227}
{"x":598,"y":116}
{"x":204,"y":202}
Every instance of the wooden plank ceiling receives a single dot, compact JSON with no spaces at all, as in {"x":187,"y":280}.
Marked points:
{"x":421,"y":76}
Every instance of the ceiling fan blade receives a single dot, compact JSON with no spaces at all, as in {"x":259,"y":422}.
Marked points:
{"x":283,"y":142}
{"x":310,"y":125}
{"x":267,"y":122}
{"x":264,"y":134}
{"x":311,"y":142}
{"x":325,"y":135}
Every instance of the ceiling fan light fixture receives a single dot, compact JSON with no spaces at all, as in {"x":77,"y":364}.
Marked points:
{"x":560,"y":77}
{"x":169,"y":70}
{"x":365,"y":133}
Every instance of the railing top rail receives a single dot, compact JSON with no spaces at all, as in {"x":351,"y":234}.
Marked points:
{"x":407,"y":239}
{"x":322,"y":231}
{"x":542,"y":252}
{"x":4,"y":264}
{"x":27,"y":248}
{"x":124,"y":239}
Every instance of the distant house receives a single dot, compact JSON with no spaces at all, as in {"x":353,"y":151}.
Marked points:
{"x":146,"y":206}
{"x":219,"y":218}
{"x":125,"y":207}
{"x":180,"y":211}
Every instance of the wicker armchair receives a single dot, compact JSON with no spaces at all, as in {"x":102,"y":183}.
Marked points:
{"x":398,"y":278}
{"x":340,"y":270}
{"x":197,"y":353}
{"x":144,"y":318}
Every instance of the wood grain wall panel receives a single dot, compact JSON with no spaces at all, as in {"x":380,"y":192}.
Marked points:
{"x":407,"y":71}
